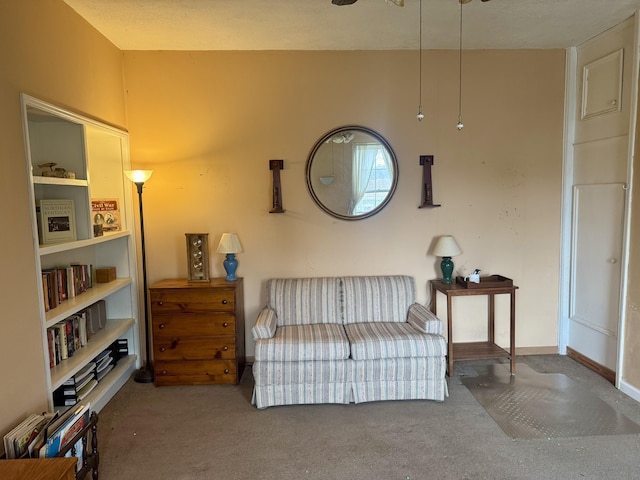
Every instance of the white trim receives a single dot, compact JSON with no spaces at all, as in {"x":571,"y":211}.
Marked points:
{"x":633,"y":112}
{"x":567,"y":199}
{"x":593,"y":326}
{"x":629,"y":389}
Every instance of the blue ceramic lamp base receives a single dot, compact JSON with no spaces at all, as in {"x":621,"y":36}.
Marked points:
{"x":230,"y":266}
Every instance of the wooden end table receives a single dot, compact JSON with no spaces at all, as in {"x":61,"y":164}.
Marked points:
{"x":476,"y":350}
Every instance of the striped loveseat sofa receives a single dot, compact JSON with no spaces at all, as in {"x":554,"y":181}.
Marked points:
{"x":346,"y":339}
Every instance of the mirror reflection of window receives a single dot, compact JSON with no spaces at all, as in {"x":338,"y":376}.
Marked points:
{"x":351,"y":173}
{"x":372,"y":176}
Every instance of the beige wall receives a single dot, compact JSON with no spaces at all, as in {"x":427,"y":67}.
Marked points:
{"x":207,"y":123}
{"x":49,"y":52}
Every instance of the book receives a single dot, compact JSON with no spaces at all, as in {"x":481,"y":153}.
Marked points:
{"x":57,"y":221}
{"x":106,"y":213}
{"x":86,"y":389}
{"x":96,"y":316}
{"x":64,"y":430}
{"x":38,"y":441}
{"x":101,"y":374}
{"x":18,"y":440}
{"x":9,"y":445}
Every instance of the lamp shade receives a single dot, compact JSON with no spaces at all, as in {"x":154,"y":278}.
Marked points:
{"x":229,"y":243}
{"x":138,"y":176}
{"x":446,"y":246}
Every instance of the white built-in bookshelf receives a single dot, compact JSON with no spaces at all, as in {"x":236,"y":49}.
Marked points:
{"x":97,"y":154}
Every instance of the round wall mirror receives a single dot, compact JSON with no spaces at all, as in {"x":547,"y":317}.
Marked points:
{"x":352,"y":172}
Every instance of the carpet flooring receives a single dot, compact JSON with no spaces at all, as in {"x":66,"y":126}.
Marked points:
{"x":213,"y":432}
{"x":544,"y":405}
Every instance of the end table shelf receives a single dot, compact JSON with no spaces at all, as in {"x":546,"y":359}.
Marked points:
{"x":477,"y":350}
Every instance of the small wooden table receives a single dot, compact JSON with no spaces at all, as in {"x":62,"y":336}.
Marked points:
{"x":476,"y":350}
{"x":63,"y":468}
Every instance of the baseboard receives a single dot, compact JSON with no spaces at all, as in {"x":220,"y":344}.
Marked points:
{"x":601,"y":370}
{"x":630,"y":390}
{"x":536,"y":351}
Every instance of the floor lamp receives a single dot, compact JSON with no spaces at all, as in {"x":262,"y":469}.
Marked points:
{"x":144,"y":374}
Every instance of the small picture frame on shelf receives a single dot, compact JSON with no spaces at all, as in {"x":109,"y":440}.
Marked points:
{"x":198,"y":256}
{"x":57,"y":221}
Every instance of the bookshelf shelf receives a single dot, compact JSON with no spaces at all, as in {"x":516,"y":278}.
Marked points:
{"x":97,"y":343}
{"x":82,"y":301}
{"x":98,"y":154}
{"x":70,"y":182}
{"x":68,"y":246}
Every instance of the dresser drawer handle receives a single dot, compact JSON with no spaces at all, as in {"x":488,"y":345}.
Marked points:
{"x":174,"y":343}
{"x":163,"y":349}
{"x":161,"y":326}
{"x":225,"y":324}
{"x":160,"y":303}
{"x":224,"y":302}
{"x":164,"y":372}
{"x":225,"y":348}
{"x":226,"y":370}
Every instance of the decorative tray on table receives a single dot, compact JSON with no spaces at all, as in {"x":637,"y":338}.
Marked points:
{"x":490,"y":281}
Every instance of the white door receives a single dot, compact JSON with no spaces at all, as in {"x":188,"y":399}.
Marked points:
{"x":600,"y":152}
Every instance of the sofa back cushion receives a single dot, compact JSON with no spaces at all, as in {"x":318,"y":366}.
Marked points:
{"x":304,"y":301}
{"x":377,"y":299}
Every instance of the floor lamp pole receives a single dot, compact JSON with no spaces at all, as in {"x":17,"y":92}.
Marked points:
{"x":145,"y":374}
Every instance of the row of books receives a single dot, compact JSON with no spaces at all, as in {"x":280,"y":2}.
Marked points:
{"x":69,"y":335}
{"x":44,"y":435}
{"x":76,"y":388}
{"x":64,"y":282}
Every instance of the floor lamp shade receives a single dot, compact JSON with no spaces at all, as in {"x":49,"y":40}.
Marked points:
{"x":446,"y":247}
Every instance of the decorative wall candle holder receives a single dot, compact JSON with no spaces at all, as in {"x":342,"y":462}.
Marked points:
{"x":198,"y":256}
{"x":275,"y":166}
{"x":427,"y":186}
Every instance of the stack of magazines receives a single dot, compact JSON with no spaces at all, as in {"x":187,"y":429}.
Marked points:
{"x":76,"y":388}
{"x":103,"y":363}
{"x":43,"y":436}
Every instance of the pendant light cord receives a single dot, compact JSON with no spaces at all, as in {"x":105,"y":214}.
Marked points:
{"x":460,"y":73}
{"x":420,"y":114}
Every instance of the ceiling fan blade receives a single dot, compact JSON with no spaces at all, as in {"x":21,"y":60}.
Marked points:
{"x":343,"y":2}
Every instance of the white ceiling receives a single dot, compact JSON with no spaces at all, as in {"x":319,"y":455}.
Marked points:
{"x":365,"y":25}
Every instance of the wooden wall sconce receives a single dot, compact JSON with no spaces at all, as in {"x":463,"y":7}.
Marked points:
{"x":427,"y":188}
{"x":275,"y":166}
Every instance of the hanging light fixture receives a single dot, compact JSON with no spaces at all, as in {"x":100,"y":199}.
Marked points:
{"x":420,"y":115}
{"x":460,"y":125}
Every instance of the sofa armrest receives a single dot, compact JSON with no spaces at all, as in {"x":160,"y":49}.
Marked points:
{"x":422,"y":319}
{"x":266,"y":324}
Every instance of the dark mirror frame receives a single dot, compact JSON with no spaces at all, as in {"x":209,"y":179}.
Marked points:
{"x":322,"y":141}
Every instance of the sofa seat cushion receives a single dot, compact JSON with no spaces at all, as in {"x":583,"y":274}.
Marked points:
{"x":303,"y":373}
{"x":375,"y":340}
{"x":294,"y":343}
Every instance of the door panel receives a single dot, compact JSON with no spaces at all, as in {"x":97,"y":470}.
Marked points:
{"x":596,"y":272}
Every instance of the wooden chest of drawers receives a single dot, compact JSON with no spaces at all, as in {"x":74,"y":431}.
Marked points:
{"x":198,"y":331}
